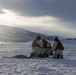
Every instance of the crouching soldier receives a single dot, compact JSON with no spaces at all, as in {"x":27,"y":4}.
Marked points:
{"x":36,"y":47}
{"x":58,"y":48}
{"x":46,"y":48}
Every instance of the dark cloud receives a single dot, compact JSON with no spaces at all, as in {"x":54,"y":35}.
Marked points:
{"x":64,"y":9}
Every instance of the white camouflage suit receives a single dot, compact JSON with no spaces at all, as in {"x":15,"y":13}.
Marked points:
{"x":40,"y":49}
{"x":56,"y":52}
{"x":47,"y":50}
{"x":37,"y":49}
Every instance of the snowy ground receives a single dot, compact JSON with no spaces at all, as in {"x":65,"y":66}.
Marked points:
{"x":41,"y":66}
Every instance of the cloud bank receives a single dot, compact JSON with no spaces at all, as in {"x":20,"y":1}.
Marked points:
{"x":51,"y":16}
{"x":64,"y":9}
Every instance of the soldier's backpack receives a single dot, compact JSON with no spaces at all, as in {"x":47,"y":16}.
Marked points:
{"x":35,"y":44}
{"x":59,"y":46}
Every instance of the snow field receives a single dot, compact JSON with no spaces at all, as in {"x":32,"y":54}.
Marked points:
{"x":41,"y":66}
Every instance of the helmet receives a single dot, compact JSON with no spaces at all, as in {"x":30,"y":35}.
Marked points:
{"x":55,"y":37}
{"x":38,"y":37}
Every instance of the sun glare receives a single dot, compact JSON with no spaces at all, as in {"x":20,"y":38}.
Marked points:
{"x":7,"y":16}
{"x":14,"y":19}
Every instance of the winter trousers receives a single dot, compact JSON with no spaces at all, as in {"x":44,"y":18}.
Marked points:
{"x":58,"y":54}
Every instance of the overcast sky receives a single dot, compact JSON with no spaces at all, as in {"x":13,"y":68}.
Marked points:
{"x":52,"y":17}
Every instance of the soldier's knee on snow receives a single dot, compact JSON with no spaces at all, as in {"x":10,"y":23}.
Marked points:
{"x":51,"y":53}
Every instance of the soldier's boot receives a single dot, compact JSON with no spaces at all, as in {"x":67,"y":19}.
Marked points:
{"x":51,"y":53}
{"x":58,"y":56}
{"x":61,"y":56}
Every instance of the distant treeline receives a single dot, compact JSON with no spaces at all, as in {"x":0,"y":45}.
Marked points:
{"x":71,"y":39}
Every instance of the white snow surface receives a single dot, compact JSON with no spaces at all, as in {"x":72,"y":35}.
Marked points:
{"x":40,"y":66}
